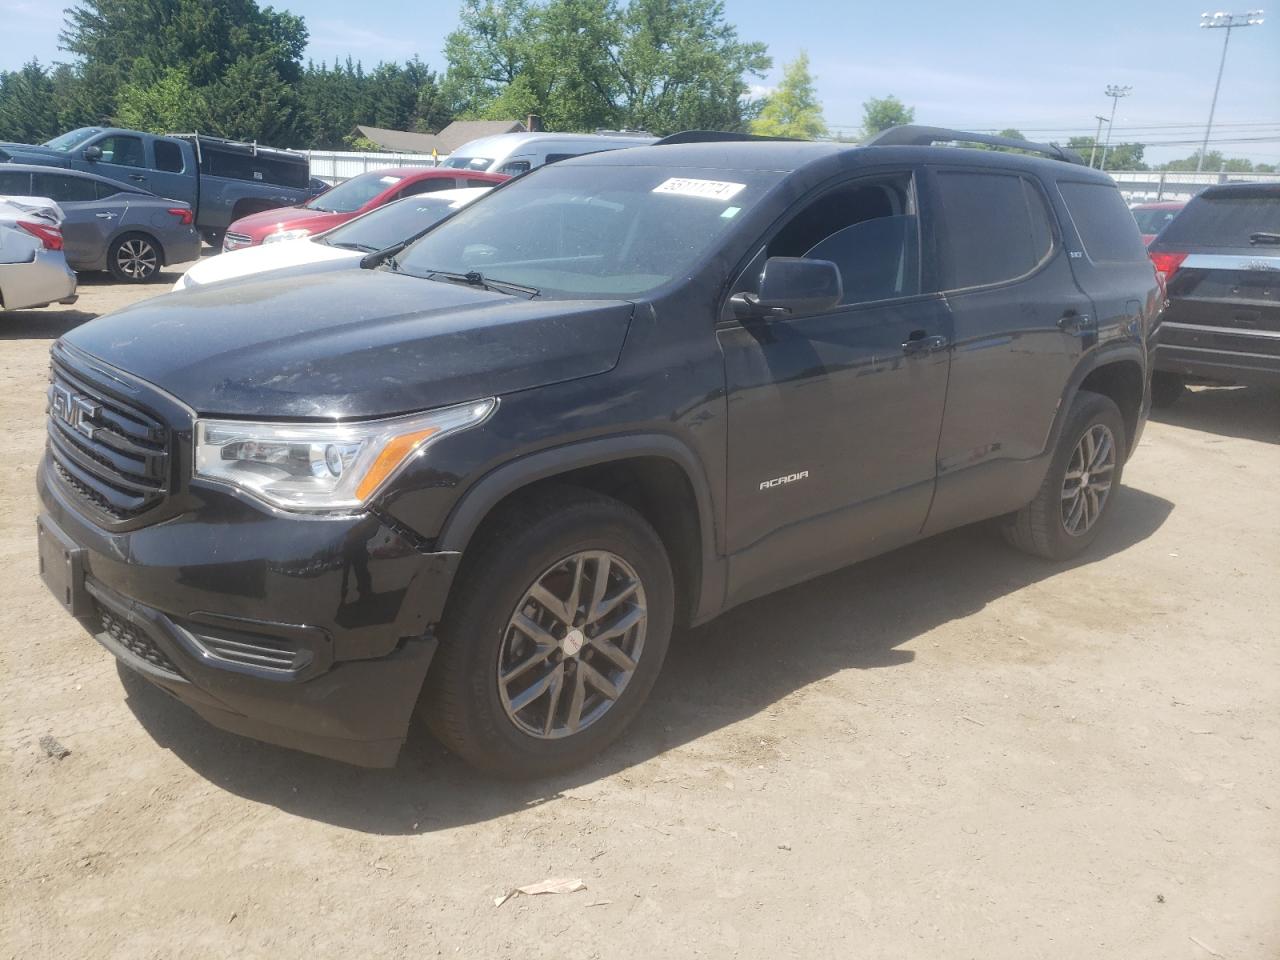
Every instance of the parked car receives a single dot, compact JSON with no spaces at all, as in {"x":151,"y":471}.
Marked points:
{"x":33,"y":268}
{"x":110,"y":226}
{"x":348,"y":200}
{"x":341,"y":247}
{"x":221,"y":180}
{"x":1153,"y":217}
{"x":1220,"y":260}
{"x":516,"y":153}
{"x":624,"y":391}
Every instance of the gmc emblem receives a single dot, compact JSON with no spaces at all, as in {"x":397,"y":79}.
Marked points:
{"x":74,"y":410}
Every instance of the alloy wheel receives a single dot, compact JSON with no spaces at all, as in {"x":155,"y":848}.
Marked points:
{"x":572,"y":644}
{"x":1088,"y":480}
{"x":137,"y":259}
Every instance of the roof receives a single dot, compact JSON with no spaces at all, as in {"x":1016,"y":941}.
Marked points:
{"x":446,"y":141}
{"x":71,"y":172}
{"x":503,"y":144}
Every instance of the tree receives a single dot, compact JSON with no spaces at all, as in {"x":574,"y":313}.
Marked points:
{"x":792,"y":110}
{"x":660,"y":65}
{"x":163,"y":102}
{"x":28,"y":113}
{"x":881,"y":113}
{"x":1120,"y":156}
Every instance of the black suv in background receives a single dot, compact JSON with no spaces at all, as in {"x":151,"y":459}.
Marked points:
{"x":627,"y":391}
{"x":1220,"y":261}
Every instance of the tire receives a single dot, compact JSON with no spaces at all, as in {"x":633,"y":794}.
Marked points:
{"x":536,"y":541}
{"x":1043,"y":527}
{"x":1166,"y":388}
{"x":214,"y":239}
{"x":135,"y":258}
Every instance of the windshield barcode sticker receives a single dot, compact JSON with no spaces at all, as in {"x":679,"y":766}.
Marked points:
{"x":710,"y":189}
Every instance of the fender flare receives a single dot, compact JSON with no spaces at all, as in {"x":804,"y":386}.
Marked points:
{"x":1101,"y":357}
{"x":487,"y":492}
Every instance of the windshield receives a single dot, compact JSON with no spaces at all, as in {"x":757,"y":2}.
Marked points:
{"x":391,"y":224}
{"x":591,"y":231}
{"x":469,"y":163}
{"x":72,"y":139}
{"x":1152,"y":220}
{"x":353,"y":194}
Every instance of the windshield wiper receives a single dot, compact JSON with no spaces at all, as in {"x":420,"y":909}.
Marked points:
{"x":386,"y":255}
{"x":362,"y":247}
{"x":475,"y":278}
{"x":1264,"y":237}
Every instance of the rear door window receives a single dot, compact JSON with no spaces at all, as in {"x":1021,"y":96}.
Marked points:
{"x":1106,"y":227}
{"x":996,"y":227}
{"x":64,"y":188}
{"x":168,"y":156}
{"x":1225,"y":219}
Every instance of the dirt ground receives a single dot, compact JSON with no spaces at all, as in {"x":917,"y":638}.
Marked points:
{"x":950,"y":752}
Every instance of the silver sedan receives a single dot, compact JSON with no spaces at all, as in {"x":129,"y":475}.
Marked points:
{"x":33,"y":267}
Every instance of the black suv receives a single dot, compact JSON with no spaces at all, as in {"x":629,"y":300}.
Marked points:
{"x":1220,"y":260}
{"x":622,"y":393}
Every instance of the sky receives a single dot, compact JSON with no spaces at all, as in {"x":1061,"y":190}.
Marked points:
{"x":1038,"y":66}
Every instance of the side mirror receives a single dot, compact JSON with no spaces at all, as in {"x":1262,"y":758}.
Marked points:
{"x":93,"y":153}
{"x":789,"y":286}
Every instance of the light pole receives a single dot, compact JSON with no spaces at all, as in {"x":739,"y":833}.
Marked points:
{"x":1228,"y":22}
{"x":1096,"y":137}
{"x":1115,"y":93}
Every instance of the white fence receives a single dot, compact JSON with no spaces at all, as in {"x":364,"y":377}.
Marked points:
{"x":333,"y":166}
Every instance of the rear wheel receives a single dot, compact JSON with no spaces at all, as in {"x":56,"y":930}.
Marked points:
{"x":134,"y":258}
{"x":555,"y":634}
{"x":1065,"y":517}
{"x":1166,"y":388}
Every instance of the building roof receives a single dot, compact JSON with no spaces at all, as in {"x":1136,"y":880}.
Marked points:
{"x":446,"y":141}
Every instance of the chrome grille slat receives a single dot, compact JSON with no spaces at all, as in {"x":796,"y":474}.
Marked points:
{"x":112,"y":453}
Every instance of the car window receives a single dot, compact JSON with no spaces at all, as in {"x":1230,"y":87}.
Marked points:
{"x":122,"y":150}
{"x":868,"y":229}
{"x":390,"y":224}
{"x":64,"y":187}
{"x":469,"y":163}
{"x":591,"y":231}
{"x":15,"y":184}
{"x":557,"y":157}
{"x":1153,"y":220}
{"x":996,"y":227}
{"x":1107,"y":229}
{"x":168,"y":156}
{"x":1226,"y":218}
{"x":351,"y":195}
{"x":428,"y":185}
{"x":514,"y":167}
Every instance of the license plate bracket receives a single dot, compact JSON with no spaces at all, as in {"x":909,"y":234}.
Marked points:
{"x":62,"y":567}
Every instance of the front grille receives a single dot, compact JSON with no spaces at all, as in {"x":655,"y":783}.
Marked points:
{"x":232,"y":241}
{"x":135,"y":641}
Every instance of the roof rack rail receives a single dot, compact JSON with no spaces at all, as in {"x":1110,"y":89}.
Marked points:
{"x":916,"y":136}
{"x":715,"y":136}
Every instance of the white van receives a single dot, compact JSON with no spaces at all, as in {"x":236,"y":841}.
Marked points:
{"x":515,"y":153}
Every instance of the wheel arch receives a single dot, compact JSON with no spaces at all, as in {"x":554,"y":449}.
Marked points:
{"x":655,"y":474}
{"x":1120,"y":375}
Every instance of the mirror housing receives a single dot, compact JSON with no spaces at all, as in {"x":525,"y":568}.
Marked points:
{"x":790,"y":286}
{"x":93,"y":153}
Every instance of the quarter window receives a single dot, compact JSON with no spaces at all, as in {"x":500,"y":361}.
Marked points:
{"x":1106,"y":227}
{"x":123,"y":151}
{"x":996,"y":227}
{"x":168,"y":156}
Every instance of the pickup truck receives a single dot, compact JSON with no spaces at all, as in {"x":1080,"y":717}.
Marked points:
{"x":222,"y":180}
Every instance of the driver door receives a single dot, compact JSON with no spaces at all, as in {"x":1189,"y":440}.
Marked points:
{"x":834,"y":417}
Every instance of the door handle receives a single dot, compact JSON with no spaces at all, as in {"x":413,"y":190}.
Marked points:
{"x":105,"y":216}
{"x":137,"y":176}
{"x":1076,"y":324}
{"x":918,"y":344}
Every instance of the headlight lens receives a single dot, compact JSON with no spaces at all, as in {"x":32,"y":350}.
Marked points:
{"x":279,"y":235}
{"x":322,"y":467}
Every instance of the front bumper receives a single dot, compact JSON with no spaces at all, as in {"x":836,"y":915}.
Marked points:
{"x":311,"y":634}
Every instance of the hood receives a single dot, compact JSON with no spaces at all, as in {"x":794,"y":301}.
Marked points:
{"x":29,"y":153}
{"x":351,"y":344}
{"x":286,"y":218}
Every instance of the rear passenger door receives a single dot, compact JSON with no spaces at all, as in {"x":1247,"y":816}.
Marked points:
{"x":1021,"y":326}
{"x":172,"y":170}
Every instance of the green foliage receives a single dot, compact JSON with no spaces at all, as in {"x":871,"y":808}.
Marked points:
{"x":27,"y":107}
{"x":659,"y":65}
{"x":166,"y":102}
{"x":1215,"y":162}
{"x":793,"y":110}
{"x":1120,"y":156}
{"x":881,"y":113}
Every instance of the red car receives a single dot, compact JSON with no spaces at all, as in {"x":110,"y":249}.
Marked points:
{"x":1152,"y":217}
{"x":348,"y":200}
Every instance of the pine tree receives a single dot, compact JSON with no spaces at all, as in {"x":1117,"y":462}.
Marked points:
{"x":793,"y":109}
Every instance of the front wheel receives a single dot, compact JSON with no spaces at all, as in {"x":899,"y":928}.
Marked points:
{"x":134,"y":258}
{"x":555,"y":634}
{"x":1066,"y":515}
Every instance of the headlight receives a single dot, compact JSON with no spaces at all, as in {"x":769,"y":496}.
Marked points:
{"x":286,"y":235}
{"x":323,"y":467}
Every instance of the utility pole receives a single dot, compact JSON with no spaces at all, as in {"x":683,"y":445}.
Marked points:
{"x":1096,"y":137}
{"x":1115,"y":93}
{"x":1228,"y":22}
